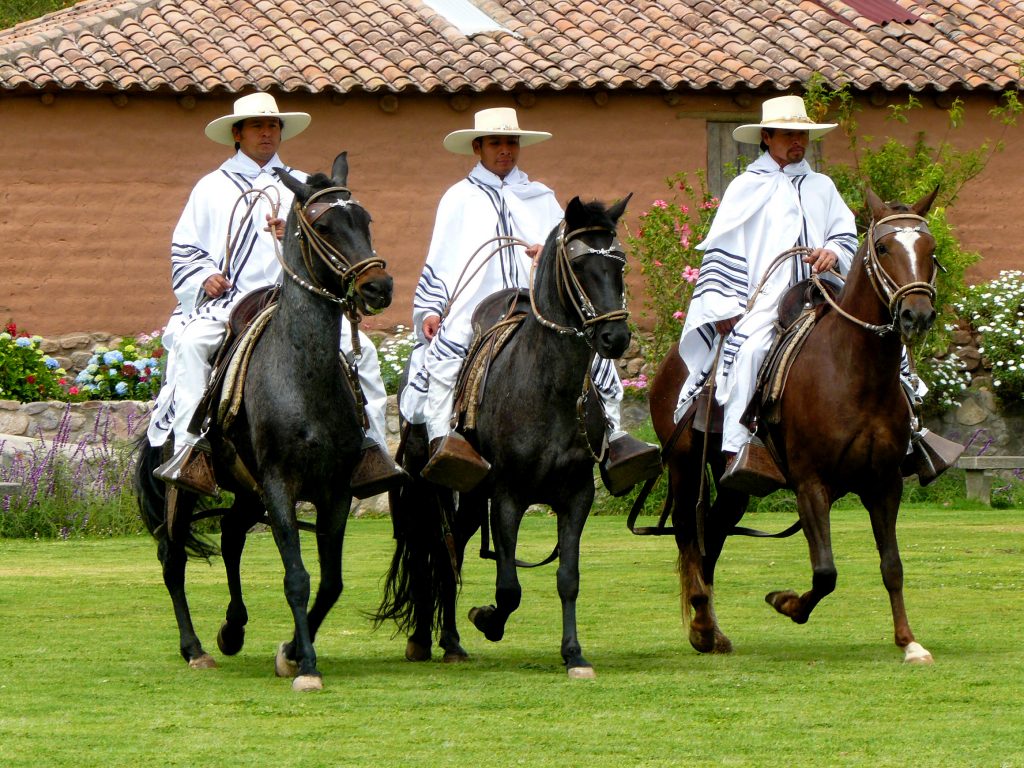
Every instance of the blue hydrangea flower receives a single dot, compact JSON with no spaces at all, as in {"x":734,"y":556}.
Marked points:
{"x":51,"y":363}
{"x":83,"y":378}
{"x":114,"y":356}
{"x":23,"y":341}
{"x":121,"y":388}
{"x":92,"y":368}
{"x":94,"y":360}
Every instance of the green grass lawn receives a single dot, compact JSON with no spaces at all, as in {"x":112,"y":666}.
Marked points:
{"x":91,"y":674}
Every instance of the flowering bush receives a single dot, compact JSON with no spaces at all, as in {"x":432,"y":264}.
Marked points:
{"x":26,"y":373}
{"x":664,"y":247}
{"x":392,"y":354}
{"x":946,"y":378}
{"x":130,"y":371}
{"x":996,"y":310}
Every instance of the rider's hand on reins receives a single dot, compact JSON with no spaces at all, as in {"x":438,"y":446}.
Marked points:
{"x":821,"y":260}
{"x":215,"y":285}
{"x":275,"y":225}
{"x":430,"y":326}
{"x":533,"y":251}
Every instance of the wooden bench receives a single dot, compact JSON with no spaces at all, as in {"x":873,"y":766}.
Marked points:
{"x":979,"y":478}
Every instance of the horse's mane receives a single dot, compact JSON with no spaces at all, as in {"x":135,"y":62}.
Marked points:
{"x":318,"y":179}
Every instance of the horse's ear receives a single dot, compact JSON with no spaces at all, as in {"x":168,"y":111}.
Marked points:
{"x":619,"y":208}
{"x":922,"y":206}
{"x":339,"y":171}
{"x":300,"y":190}
{"x":573,"y":211}
{"x":875,"y":205}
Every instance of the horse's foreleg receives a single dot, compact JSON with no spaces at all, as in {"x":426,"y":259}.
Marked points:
{"x":244,"y":513}
{"x":570,"y":528}
{"x":508,"y":593}
{"x":173,"y":559}
{"x":883,"y":511}
{"x":814,"y":505}
{"x":299,"y":651}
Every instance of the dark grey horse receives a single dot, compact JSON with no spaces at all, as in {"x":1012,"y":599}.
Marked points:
{"x":298,"y":432}
{"x":540,"y":444}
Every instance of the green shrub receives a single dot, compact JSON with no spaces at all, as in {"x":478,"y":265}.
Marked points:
{"x":393,"y":352}
{"x":996,"y":311}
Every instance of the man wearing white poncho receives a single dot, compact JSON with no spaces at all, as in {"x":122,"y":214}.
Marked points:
{"x":496,"y":199}
{"x":776,"y":204}
{"x":221,"y":251}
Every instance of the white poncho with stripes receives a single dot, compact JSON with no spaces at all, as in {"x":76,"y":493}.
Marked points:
{"x":765,"y":211}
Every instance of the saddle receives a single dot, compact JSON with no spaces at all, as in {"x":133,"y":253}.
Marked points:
{"x":495,"y":321}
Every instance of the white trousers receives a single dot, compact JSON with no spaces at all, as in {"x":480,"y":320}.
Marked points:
{"x":191,"y":361}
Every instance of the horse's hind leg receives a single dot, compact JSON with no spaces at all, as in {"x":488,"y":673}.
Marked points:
{"x":696,"y":570}
{"x":243,"y":515}
{"x":463,"y":525}
{"x":883,"y":511}
{"x":173,"y":559}
{"x":814,"y":506}
{"x":331,"y":519}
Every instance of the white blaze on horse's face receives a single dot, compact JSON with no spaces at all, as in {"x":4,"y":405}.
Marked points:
{"x":908,"y":239}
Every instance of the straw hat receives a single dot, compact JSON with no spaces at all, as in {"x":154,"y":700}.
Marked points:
{"x":256,"y":105}
{"x":499,"y":121}
{"x":782,"y":112}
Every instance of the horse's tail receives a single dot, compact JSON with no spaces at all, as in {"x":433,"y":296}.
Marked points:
{"x":421,"y":567}
{"x":152,"y":498}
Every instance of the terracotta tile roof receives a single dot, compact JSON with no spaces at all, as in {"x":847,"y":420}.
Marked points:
{"x":405,"y":45}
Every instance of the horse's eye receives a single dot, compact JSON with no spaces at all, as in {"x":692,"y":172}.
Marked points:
{"x":881,"y":250}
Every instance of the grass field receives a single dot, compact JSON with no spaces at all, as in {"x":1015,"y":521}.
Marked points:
{"x":91,"y":675}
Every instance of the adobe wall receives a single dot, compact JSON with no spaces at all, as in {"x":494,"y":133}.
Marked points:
{"x":90,"y":190}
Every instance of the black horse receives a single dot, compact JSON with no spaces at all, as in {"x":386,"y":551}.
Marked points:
{"x":539,"y":424}
{"x":297,"y":430}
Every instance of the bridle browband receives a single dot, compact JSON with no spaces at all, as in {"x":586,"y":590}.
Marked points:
{"x":570,"y":249}
{"x":313,"y":243}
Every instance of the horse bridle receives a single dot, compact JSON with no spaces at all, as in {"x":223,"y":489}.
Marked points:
{"x":570,"y":249}
{"x":888,"y":291}
{"x":313,"y":243}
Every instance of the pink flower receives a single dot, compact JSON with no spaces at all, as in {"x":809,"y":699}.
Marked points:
{"x":684,"y":241}
{"x":659,"y":204}
{"x":690,"y":274}
{"x":679,"y":315}
{"x":72,"y":390}
{"x":658,"y":263}
{"x":684,"y":208}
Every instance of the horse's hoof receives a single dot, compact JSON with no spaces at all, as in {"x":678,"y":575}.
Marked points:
{"x":455,"y":655}
{"x":304,"y":683}
{"x":283,"y":666}
{"x":481,"y":618}
{"x":416,"y":652}
{"x":713,"y":641}
{"x":581,"y":673}
{"x":915,"y":653}
{"x":206,"y":661}
{"x":786,"y":602}
{"x":230,"y":639}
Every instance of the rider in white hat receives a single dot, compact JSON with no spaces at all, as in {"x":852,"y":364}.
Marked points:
{"x":221,"y":252}
{"x":777,"y":203}
{"x":496,"y":198}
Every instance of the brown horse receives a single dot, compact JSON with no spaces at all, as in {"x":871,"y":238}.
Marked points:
{"x":844,"y":428}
